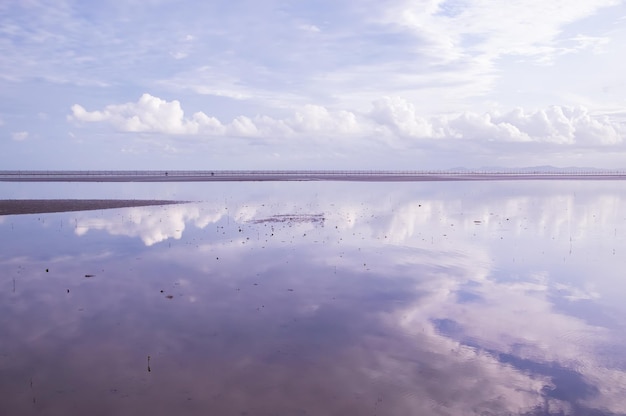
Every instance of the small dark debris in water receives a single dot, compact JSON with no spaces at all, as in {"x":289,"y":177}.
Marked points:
{"x":149,"y":364}
{"x":46,"y":270}
{"x":291,"y":290}
{"x":161,"y":290}
{"x":170,"y":296}
{"x":68,"y":291}
{"x":89,"y":275}
{"x":477,"y":222}
{"x":291,"y":219}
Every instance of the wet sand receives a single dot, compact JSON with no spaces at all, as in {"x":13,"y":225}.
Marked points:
{"x":40,"y":206}
{"x":309,"y":175}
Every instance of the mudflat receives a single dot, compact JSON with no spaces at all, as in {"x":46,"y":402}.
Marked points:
{"x":40,"y":206}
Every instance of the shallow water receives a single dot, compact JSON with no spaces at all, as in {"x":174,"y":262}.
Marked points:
{"x":317,"y":299}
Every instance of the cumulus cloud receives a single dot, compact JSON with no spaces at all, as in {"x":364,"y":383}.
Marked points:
{"x":19,"y":136}
{"x":562,"y":125}
{"x":315,"y":118}
{"x":309,"y":28}
{"x":155,"y":115}
{"x":556,"y":124}
{"x":394,"y":116}
{"x":400,"y":116}
{"x":149,"y":114}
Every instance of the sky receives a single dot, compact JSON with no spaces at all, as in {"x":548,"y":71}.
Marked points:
{"x":292,"y":84}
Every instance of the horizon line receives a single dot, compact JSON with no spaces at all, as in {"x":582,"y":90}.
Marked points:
{"x":458,"y":174}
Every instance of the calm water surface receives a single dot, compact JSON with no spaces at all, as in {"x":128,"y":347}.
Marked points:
{"x":486,"y":298}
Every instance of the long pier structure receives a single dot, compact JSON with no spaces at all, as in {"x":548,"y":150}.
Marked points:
{"x":300,"y":175}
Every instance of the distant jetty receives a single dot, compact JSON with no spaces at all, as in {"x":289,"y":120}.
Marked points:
{"x":303,"y":175}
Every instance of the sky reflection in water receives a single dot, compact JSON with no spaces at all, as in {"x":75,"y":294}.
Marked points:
{"x":317,"y":298}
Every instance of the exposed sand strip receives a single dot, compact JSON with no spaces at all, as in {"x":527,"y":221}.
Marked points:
{"x":40,"y":206}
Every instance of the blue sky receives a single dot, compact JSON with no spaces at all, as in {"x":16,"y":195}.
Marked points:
{"x":155,"y":84}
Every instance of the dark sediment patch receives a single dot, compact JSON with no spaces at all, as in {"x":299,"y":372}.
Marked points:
{"x":291,"y":219}
{"x":41,"y":206}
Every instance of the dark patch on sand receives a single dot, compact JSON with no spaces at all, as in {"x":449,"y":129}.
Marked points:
{"x":291,"y":218}
{"x":41,"y":206}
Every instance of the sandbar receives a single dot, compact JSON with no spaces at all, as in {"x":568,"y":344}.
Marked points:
{"x":41,"y":206}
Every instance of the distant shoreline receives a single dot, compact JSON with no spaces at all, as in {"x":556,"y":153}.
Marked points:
{"x":300,"y":175}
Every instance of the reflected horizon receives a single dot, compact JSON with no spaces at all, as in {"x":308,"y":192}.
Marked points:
{"x":321,"y":299}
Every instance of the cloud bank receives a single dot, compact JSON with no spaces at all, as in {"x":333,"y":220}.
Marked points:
{"x":391,"y":117}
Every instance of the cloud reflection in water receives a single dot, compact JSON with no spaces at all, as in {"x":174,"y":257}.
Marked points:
{"x":398,"y":302}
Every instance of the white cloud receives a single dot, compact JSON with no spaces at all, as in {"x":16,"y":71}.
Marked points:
{"x":556,"y":124}
{"x":401,"y":117}
{"x":309,"y":28}
{"x":390,"y":116}
{"x":482,"y":127}
{"x":315,"y":118}
{"x":596,"y":43}
{"x":149,"y":114}
{"x":19,"y":136}
{"x":179,"y":54}
{"x":454,"y":28}
{"x":152,"y":114}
